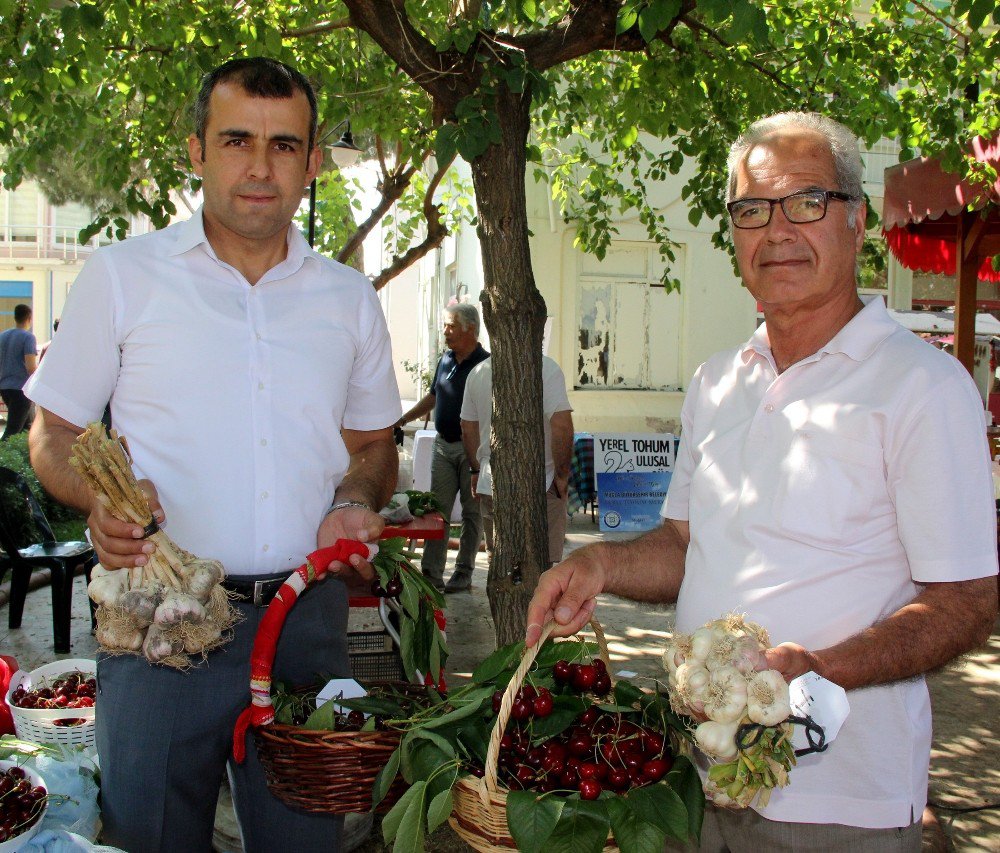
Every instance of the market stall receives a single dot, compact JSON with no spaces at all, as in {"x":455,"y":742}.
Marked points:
{"x":934,"y":221}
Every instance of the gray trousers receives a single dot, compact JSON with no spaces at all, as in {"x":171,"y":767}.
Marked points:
{"x":745,"y":831}
{"x":449,"y":476}
{"x":164,"y":737}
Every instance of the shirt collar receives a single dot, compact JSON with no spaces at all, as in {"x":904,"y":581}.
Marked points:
{"x":191,"y":233}
{"x":857,"y":340}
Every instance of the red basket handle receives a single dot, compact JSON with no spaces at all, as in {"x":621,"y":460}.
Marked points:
{"x":260,"y":712}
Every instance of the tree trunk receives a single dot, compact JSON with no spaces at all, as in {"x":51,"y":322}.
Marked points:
{"x":514,"y":313}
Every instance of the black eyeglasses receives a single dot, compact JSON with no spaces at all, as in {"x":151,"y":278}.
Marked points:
{"x":800,"y":207}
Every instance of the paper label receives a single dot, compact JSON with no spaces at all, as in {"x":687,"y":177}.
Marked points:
{"x":344,"y":688}
{"x":811,"y":695}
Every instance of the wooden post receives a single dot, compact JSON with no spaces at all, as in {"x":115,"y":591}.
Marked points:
{"x":967,"y":265}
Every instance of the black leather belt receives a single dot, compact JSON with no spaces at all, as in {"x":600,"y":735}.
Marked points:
{"x":255,"y":589}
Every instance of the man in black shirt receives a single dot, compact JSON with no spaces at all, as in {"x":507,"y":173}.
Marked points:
{"x":451,"y":469}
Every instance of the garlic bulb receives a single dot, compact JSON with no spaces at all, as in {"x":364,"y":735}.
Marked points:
{"x":726,"y":700}
{"x":692,"y":685}
{"x":717,"y":739}
{"x":179,"y":607}
{"x":105,"y":587}
{"x":767,"y":698}
{"x":677,"y":653}
{"x":703,"y":639}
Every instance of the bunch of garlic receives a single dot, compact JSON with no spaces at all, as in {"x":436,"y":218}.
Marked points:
{"x":168,"y":609}
{"x":717,"y":678}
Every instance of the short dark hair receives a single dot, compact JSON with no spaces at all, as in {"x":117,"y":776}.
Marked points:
{"x":22,"y":313}
{"x":260,"y":77}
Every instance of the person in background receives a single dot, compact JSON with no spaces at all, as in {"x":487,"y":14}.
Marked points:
{"x":451,"y":468}
{"x":804,"y":497}
{"x":253,"y":380}
{"x":477,"y":412}
{"x":18,"y":360}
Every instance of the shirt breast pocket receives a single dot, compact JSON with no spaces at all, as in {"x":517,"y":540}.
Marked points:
{"x":827,"y":487}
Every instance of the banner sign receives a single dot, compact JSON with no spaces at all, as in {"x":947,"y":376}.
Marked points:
{"x":630,"y":503}
{"x":633,"y":473}
{"x":616,"y":452}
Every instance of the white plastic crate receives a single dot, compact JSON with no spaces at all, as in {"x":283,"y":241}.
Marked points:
{"x":36,"y":724}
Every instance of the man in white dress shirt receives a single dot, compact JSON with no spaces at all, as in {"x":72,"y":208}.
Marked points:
{"x":253,"y":380}
{"x":833,"y":483}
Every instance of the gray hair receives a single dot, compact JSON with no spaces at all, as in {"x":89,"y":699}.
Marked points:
{"x":466,"y":314}
{"x":843,"y":145}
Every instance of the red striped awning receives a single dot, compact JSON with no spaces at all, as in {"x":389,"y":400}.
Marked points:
{"x":921,"y":208}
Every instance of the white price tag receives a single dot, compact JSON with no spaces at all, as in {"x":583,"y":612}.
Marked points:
{"x":811,"y":695}
{"x":344,"y":688}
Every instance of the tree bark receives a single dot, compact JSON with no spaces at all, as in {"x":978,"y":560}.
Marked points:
{"x":514,"y":313}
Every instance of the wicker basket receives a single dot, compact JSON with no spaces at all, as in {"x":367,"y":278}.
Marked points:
{"x":36,"y":724}
{"x":479,"y":816}
{"x":328,"y":772}
{"x":331,"y":772}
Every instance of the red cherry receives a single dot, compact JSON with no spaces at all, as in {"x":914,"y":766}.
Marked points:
{"x":528,"y":692}
{"x":609,"y":749}
{"x":553,"y":764}
{"x":599,"y":665}
{"x":568,"y":778}
{"x":618,"y":778}
{"x":590,"y":789}
{"x":584,"y":677}
{"x":542,"y":705}
{"x":655,"y":770}
{"x":589,"y":770}
{"x":561,"y":671}
{"x":589,"y":717}
{"x":652,"y":743}
{"x":521,"y":710}
{"x":497,"y":699}
{"x":535,"y":756}
{"x":581,"y":745}
{"x":524,"y":774}
{"x":602,"y":684}
{"x":554,"y":747}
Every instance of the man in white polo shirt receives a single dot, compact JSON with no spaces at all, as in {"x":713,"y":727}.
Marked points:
{"x":253,"y":379}
{"x":833,"y":483}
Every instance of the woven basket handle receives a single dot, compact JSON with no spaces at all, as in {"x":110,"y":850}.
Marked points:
{"x":488,"y":784}
{"x":261,"y":712}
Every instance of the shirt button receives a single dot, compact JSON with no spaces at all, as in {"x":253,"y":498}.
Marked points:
{"x":769,"y":408}
{"x":260,"y":386}
{"x":258,"y":336}
{"x":263,"y":442}
{"x":266,"y":547}
{"x":263,"y":496}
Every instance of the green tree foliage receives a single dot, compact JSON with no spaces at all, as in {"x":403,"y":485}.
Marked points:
{"x":604,"y":98}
